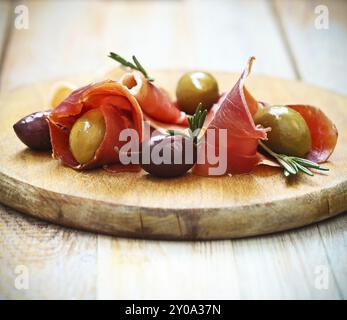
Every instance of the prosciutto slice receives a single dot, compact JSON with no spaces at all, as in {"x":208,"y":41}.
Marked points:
{"x":323,"y":132}
{"x":120,"y":110}
{"x":235,"y":116}
{"x":156,"y":104}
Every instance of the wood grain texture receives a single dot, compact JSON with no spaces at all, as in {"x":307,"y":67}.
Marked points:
{"x":61,"y":263}
{"x":200,"y":269}
{"x":334,"y":239}
{"x":320,"y":60}
{"x":5,"y":21}
{"x":167,"y":35}
{"x":190,"y":207}
{"x":282,"y":266}
{"x":319,"y":54}
{"x":66,"y":258}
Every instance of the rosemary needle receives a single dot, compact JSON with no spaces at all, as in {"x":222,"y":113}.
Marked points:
{"x":136,"y":65}
{"x":195,"y":124}
{"x":292,"y":165}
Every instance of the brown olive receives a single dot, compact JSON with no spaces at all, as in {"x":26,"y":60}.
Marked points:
{"x":86,"y":135}
{"x":33,"y":131}
{"x":177,"y":152}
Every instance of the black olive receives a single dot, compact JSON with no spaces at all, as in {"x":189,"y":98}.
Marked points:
{"x":33,"y":131}
{"x":179,"y":153}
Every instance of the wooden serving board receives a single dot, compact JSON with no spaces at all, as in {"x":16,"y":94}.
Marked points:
{"x":189,"y":207}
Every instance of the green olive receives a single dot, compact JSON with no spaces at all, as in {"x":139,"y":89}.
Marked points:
{"x":195,"y":87}
{"x":289,"y":133}
{"x":86,"y":135}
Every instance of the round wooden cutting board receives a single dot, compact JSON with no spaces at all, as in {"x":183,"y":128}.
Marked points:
{"x":189,"y":207}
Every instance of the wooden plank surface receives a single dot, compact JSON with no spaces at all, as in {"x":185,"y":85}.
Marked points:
{"x":5,"y":27}
{"x":5,"y":12}
{"x":59,"y":263}
{"x":282,"y":266}
{"x":321,"y":61}
{"x":166,"y":35}
{"x":319,"y":53}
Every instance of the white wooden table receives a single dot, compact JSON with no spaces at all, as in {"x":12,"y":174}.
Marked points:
{"x":66,"y":38}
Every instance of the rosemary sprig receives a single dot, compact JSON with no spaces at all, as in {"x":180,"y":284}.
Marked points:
{"x":292,"y":165}
{"x":195,"y":124}
{"x":136,"y":65}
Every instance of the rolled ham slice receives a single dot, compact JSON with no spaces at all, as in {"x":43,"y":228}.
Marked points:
{"x":120,"y":109}
{"x":155,"y":102}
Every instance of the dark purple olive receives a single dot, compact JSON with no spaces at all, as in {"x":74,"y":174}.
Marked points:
{"x":168,"y":156}
{"x":33,"y":131}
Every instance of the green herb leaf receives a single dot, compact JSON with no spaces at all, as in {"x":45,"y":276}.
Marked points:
{"x":293,"y":165}
{"x":287,"y":166}
{"x":136,"y":65}
{"x":310,"y":164}
{"x":195,"y":123}
{"x":304,"y":169}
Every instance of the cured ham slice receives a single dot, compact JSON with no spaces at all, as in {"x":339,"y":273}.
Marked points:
{"x":323,"y":132}
{"x":155,"y":102}
{"x":235,"y":116}
{"x":162,"y":126}
{"x":120,"y":110}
